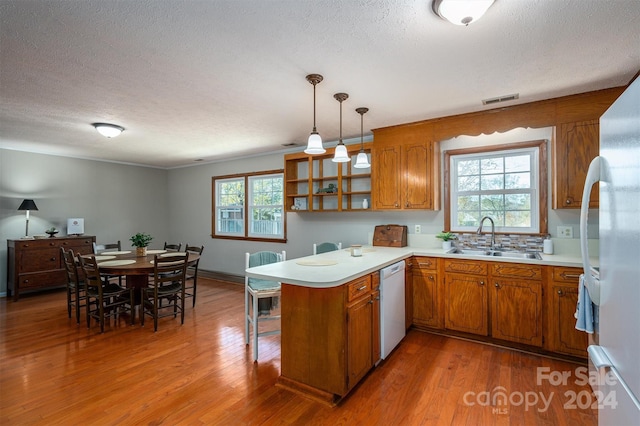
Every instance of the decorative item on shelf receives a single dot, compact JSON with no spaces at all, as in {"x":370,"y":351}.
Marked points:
{"x":340,"y":155}
{"x":461,"y":12}
{"x":365,"y":204}
{"x":362,"y":160}
{"x":314,"y":144}
{"x":51,"y":231}
{"x":446,"y":238}
{"x":27,"y":205}
{"x":140,"y":241}
{"x":331,"y":189}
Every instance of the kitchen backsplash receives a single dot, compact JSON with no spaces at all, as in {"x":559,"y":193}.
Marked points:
{"x":518,"y":242}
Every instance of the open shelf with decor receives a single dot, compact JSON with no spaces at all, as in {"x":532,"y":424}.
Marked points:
{"x":315,"y":183}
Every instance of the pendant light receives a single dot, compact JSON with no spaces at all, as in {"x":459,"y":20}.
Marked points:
{"x":362,"y":160}
{"x":314,"y":144}
{"x":341,"y":155}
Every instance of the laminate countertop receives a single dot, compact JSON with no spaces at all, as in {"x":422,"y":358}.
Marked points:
{"x":339,"y":267}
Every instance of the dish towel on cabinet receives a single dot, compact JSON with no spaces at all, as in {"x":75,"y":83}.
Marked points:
{"x":586,"y":312}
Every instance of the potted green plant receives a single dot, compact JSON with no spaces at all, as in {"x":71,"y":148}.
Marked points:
{"x":141,"y":241}
{"x":51,"y":231}
{"x":446,"y":238}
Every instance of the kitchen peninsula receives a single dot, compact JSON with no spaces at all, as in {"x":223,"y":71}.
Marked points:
{"x":330,"y":321}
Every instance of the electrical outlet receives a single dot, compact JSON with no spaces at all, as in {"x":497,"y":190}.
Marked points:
{"x":565,"y":232}
{"x":417,"y":229}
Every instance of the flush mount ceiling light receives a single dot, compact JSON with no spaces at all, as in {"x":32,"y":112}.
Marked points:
{"x":314,"y":144}
{"x":108,"y":130}
{"x":341,"y":155}
{"x":461,"y":12}
{"x":362,"y":160}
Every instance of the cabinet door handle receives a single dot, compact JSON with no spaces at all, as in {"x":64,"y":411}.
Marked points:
{"x":362,"y":288}
{"x":424,"y":264}
{"x":560,"y":293}
{"x":431,"y":277}
{"x":567,"y":201}
{"x":53,"y":259}
{"x":396,"y":205}
{"x":481,"y":283}
{"x":497,"y":285}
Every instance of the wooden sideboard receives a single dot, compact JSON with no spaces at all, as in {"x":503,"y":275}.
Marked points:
{"x":36,"y":264}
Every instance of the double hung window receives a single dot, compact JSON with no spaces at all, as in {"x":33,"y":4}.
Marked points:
{"x":504,"y":184}
{"x":249,"y":206}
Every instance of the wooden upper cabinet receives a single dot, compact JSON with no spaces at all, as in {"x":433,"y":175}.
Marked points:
{"x":405,"y":169}
{"x":576,"y":145}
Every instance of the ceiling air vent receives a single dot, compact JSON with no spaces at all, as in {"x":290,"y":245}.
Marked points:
{"x":499,"y":99}
{"x":289,"y":144}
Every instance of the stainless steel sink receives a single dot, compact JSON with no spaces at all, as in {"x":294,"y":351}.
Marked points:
{"x":497,"y":253}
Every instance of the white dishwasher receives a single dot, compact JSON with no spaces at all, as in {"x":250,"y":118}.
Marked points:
{"x":392,"y":319}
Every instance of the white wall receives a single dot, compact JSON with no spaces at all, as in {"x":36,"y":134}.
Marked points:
{"x":115,"y":200}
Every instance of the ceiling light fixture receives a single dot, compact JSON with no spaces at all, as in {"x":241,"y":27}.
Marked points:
{"x":341,"y":155}
{"x":362,"y":160}
{"x":108,"y":130}
{"x":314,"y":144}
{"x":461,"y":12}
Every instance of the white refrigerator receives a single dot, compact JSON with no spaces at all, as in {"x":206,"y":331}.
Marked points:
{"x":614,"y":356}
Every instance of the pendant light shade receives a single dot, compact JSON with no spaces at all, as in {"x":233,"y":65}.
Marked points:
{"x":314,"y":144}
{"x":341,"y":155}
{"x":108,"y":130}
{"x":461,"y":12}
{"x":362,"y":160}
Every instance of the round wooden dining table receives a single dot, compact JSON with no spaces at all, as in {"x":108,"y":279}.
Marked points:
{"x":136,"y":269}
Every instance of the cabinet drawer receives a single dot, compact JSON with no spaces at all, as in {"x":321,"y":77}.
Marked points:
{"x":359,"y":287}
{"x":82,"y":245}
{"x":465,"y":266}
{"x":43,"y":279}
{"x":39,"y":260}
{"x":516,"y":270}
{"x":566,"y":274}
{"x":422,"y":262}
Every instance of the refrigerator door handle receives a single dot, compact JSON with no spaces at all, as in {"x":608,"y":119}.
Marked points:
{"x":597,"y":356}
{"x":593,"y":284}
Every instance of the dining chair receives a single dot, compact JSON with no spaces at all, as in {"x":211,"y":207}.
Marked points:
{"x":172,"y":247}
{"x":192,"y":273}
{"x":76,"y":295}
{"x":99,"y":249}
{"x":260,"y":297}
{"x":326,"y":247}
{"x":168,"y":283}
{"x":104,"y":299}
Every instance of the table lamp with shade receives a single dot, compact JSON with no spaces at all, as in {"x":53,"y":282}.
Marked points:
{"x":27,"y":205}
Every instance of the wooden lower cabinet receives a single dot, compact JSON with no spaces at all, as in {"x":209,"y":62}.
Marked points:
{"x":466,"y":297}
{"x":427,"y":297}
{"x":562,"y":298}
{"x":330,"y":337}
{"x":516,"y":303}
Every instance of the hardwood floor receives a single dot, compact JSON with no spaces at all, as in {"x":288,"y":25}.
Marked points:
{"x":56,"y":372}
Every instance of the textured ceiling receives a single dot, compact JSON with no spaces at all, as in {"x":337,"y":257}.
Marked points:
{"x":209,"y":80}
